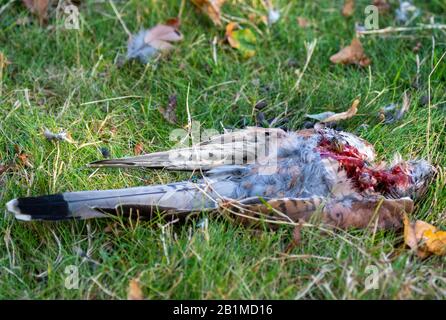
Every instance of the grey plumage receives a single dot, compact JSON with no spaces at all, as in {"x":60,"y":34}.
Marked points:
{"x":300,"y":168}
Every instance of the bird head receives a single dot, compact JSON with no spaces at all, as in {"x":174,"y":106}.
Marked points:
{"x":420,"y":174}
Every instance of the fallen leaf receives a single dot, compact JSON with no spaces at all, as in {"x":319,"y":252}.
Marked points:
{"x":212,"y":8}
{"x":424,"y":238}
{"x":382,"y":5}
{"x":138,"y":149}
{"x":353,"y":54}
{"x":241,"y":39}
{"x":39,"y":8}
{"x":134,"y":291}
{"x":24,"y":159}
{"x":146,"y":43}
{"x":302,"y":22}
{"x":329,"y":116}
{"x":349,"y":8}
{"x":61,"y":136}
{"x":169,"y":113}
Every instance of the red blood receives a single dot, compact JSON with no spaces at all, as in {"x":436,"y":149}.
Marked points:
{"x":364,"y":177}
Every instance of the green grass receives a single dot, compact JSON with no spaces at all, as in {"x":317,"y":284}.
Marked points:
{"x":54,"y":72}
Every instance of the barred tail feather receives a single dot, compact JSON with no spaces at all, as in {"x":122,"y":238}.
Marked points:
{"x":140,"y":201}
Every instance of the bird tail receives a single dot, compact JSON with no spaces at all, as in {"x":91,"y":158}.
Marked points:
{"x":175,"y":198}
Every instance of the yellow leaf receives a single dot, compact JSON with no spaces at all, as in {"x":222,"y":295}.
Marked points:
{"x":424,"y":238}
{"x":211,"y":8}
{"x":242,"y":39}
{"x":436,"y":242}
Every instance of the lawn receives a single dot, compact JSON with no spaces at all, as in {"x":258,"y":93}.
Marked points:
{"x":71,"y":79}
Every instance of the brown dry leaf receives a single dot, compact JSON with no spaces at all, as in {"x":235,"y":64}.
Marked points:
{"x":349,"y":8}
{"x":24,"y":159}
{"x":212,"y":8}
{"x":39,"y":8}
{"x":302,"y":22}
{"x":382,"y":5}
{"x":169,"y":113}
{"x":138,"y":149}
{"x":329,"y":116}
{"x":424,"y":238}
{"x":134,"y":291}
{"x":353,"y":54}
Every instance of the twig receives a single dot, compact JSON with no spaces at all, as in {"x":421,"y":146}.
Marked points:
{"x":180,"y":13}
{"x":108,"y":99}
{"x":310,"y":50}
{"x":403,"y":29}
{"x":189,"y":117}
{"x":430,"y":106}
{"x":118,"y":15}
{"x":3,"y":8}
{"x":214,"y":50}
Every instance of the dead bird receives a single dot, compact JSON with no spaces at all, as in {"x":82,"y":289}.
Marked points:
{"x":257,"y":174}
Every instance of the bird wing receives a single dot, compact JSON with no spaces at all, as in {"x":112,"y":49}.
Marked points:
{"x":238,"y":147}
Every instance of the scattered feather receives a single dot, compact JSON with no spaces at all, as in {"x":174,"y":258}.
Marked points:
{"x":273,"y":14}
{"x":105,"y":152}
{"x":261,"y":104}
{"x":391,"y":113}
{"x":329,"y":116}
{"x":147,"y":43}
{"x":352,"y":54}
{"x":360,"y":28}
{"x":169,"y":113}
{"x":61,"y":136}
{"x":406,"y":12}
